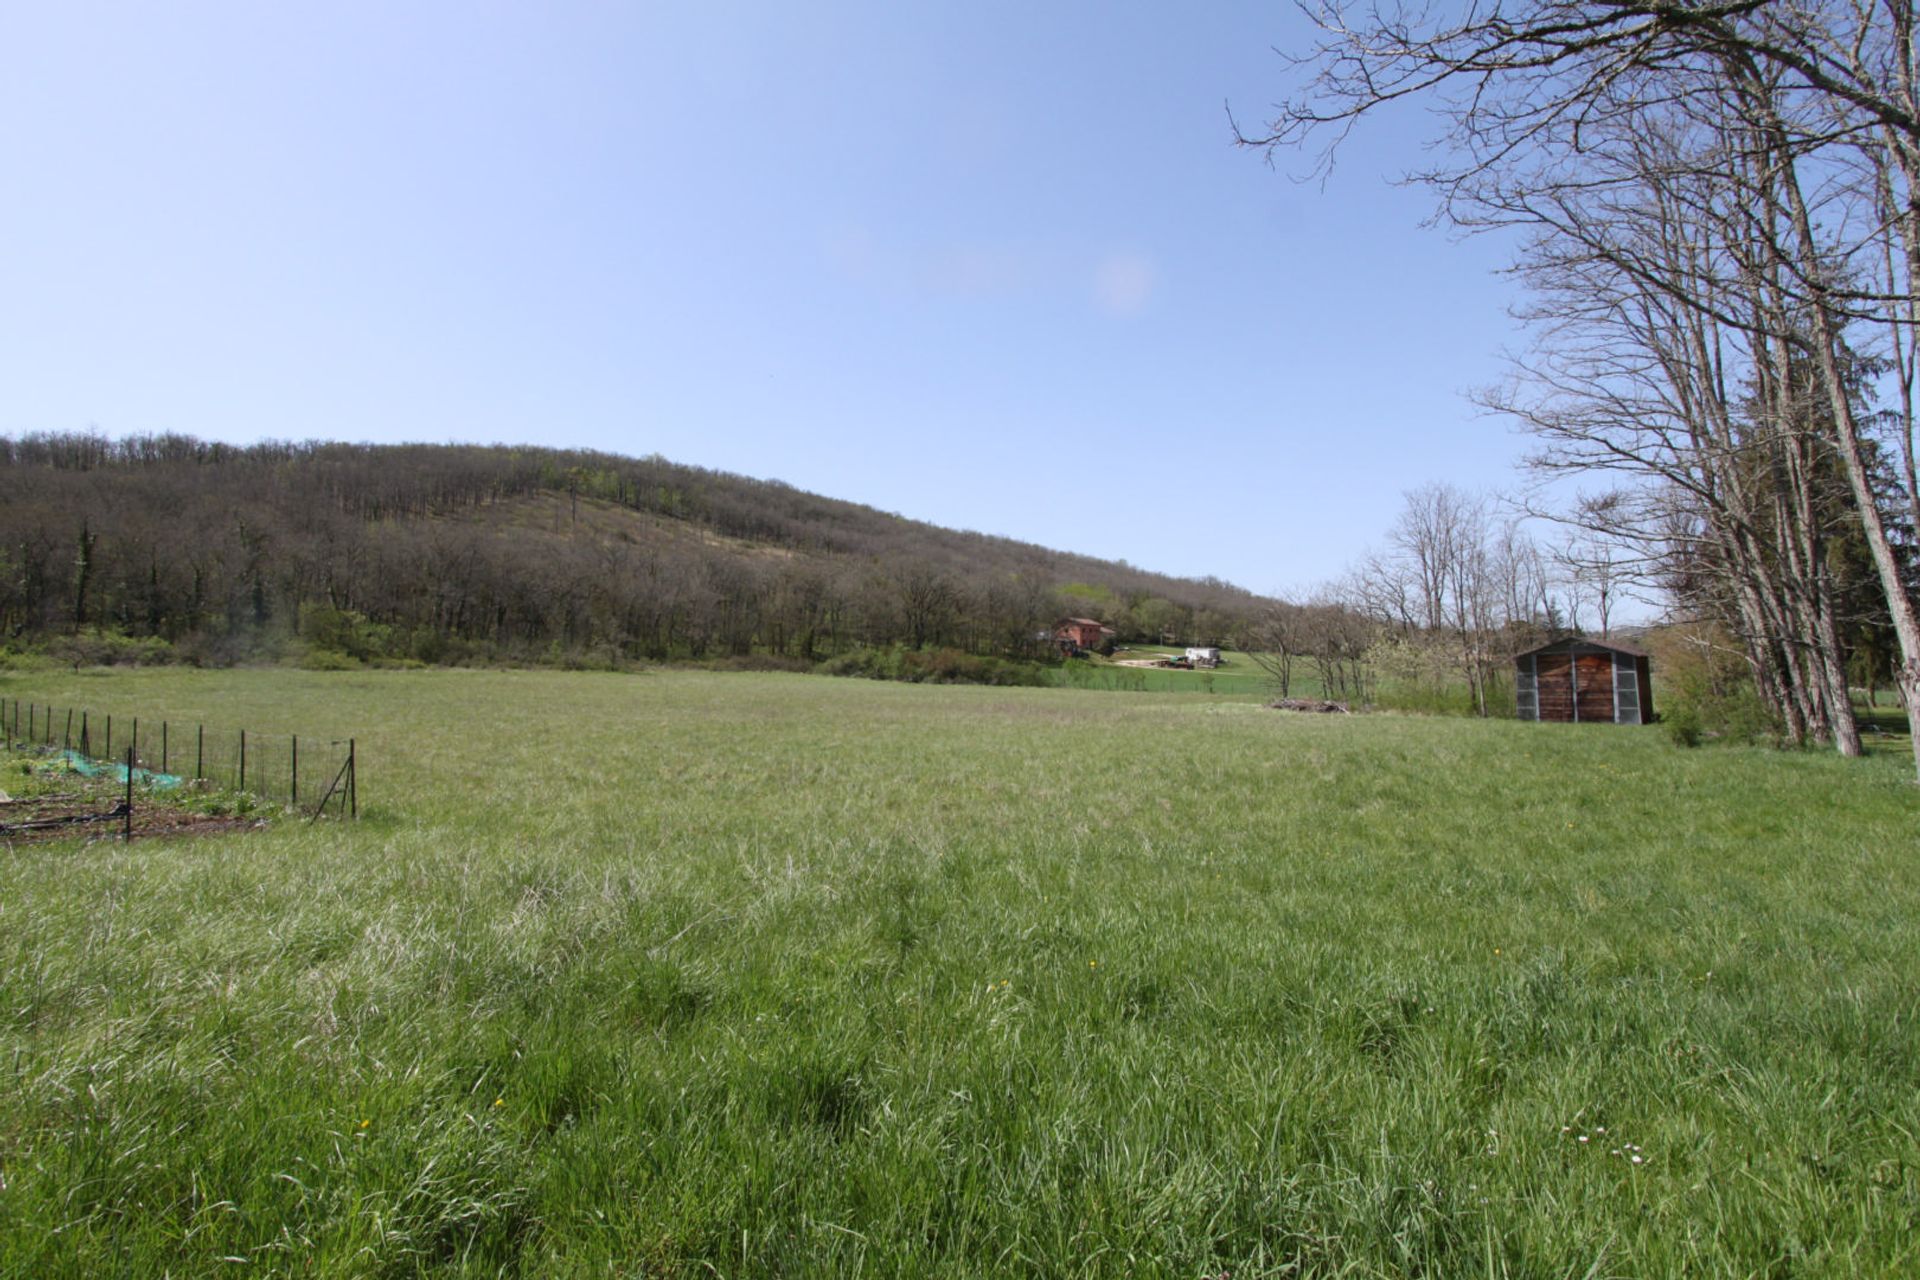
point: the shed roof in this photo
(1080, 622)
(1567, 644)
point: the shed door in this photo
(1526, 691)
(1595, 673)
(1553, 683)
(1626, 690)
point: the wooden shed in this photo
(1582, 680)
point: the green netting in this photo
(150, 778)
(306, 773)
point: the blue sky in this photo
(993, 265)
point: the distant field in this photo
(691, 974)
(1239, 675)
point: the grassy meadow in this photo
(681, 974)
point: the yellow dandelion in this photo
(365, 1123)
(499, 1102)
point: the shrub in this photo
(230, 648)
(343, 631)
(951, 666)
(23, 659)
(1683, 725)
(427, 645)
(328, 660)
(872, 664)
(110, 649)
(760, 662)
(1698, 708)
(934, 666)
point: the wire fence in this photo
(310, 774)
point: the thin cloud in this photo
(1123, 283)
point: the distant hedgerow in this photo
(935, 666)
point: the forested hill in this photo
(455, 553)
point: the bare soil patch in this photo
(36, 819)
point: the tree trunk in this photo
(1826, 346)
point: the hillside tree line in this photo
(467, 553)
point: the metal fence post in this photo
(353, 780)
(127, 831)
(243, 760)
(293, 773)
(163, 746)
(199, 753)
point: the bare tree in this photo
(1440, 540)
(1562, 113)
(1453, 595)
(1276, 639)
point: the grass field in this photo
(695, 974)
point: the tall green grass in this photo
(687, 974)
